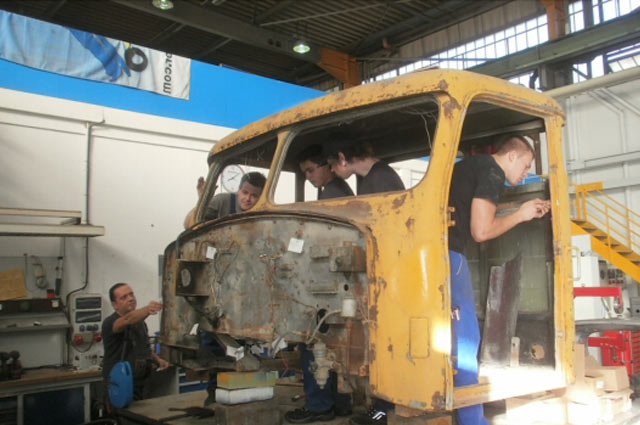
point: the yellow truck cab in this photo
(364, 280)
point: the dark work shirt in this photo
(381, 178)
(336, 188)
(478, 176)
(221, 205)
(137, 348)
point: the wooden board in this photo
(12, 285)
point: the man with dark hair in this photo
(321, 404)
(314, 165)
(125, 337)
(476, 187)
(223, 204)
(347, 157)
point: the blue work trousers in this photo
(466, 336)
(321, 399)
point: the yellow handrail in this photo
(592, 205)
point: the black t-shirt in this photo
(381, 178)
(137, 348)
(478, 176)
(336, 188)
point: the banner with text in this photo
(80, 54)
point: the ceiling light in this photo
(163, 4)
(301, 47)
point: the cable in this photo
(320, 322)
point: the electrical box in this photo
(85, 314)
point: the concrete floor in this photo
(158, 408)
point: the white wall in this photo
(143, 174)
(602, 139)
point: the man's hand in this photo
(162, 363)
(153, 307)
(200, 186)
(535, 208)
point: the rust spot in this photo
(382, 282)
(410, 223)
(373, 312)
(449, 106)
(442, 85)
(537, 352)
(437, 401)
(398, 202)
(372, 353)
(390, 348)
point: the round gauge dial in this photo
(231, 176)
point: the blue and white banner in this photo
(66, 51)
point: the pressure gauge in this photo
(231, 176)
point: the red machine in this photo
(619, 348)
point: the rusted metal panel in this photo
(501, 316)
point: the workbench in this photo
(50, 380)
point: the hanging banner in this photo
(80, 54)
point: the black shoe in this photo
(304, 416)
(342, 411)
(373, 417)
(211, 397)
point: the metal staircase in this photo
(614, 228)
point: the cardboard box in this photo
(528, 409)
(615, 377)
(601, 410)
(583, 414)
(587, 390)
(579, 361)
(615, 403)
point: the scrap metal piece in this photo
(501, 316)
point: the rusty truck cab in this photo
(364, 280)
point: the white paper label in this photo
(211, 252)
(296, 245)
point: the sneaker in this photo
(372, 417)
(304, 416)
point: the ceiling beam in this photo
(216, 23)
(594, 40)
(413, 28)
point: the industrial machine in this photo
(85, 344)
(363, 281)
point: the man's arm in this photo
(136, 316)
(486, 226)
(162, 363)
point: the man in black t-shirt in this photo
(316, 169)
(125, 337)
(476, 186)
(347, 157)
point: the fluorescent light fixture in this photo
(163, 4)
(301, 47)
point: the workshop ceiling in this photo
(257, 36)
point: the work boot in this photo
(372, 417)
(304, 416)
(211, 396)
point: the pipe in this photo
(595, 83)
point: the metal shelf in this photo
(70, 227)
